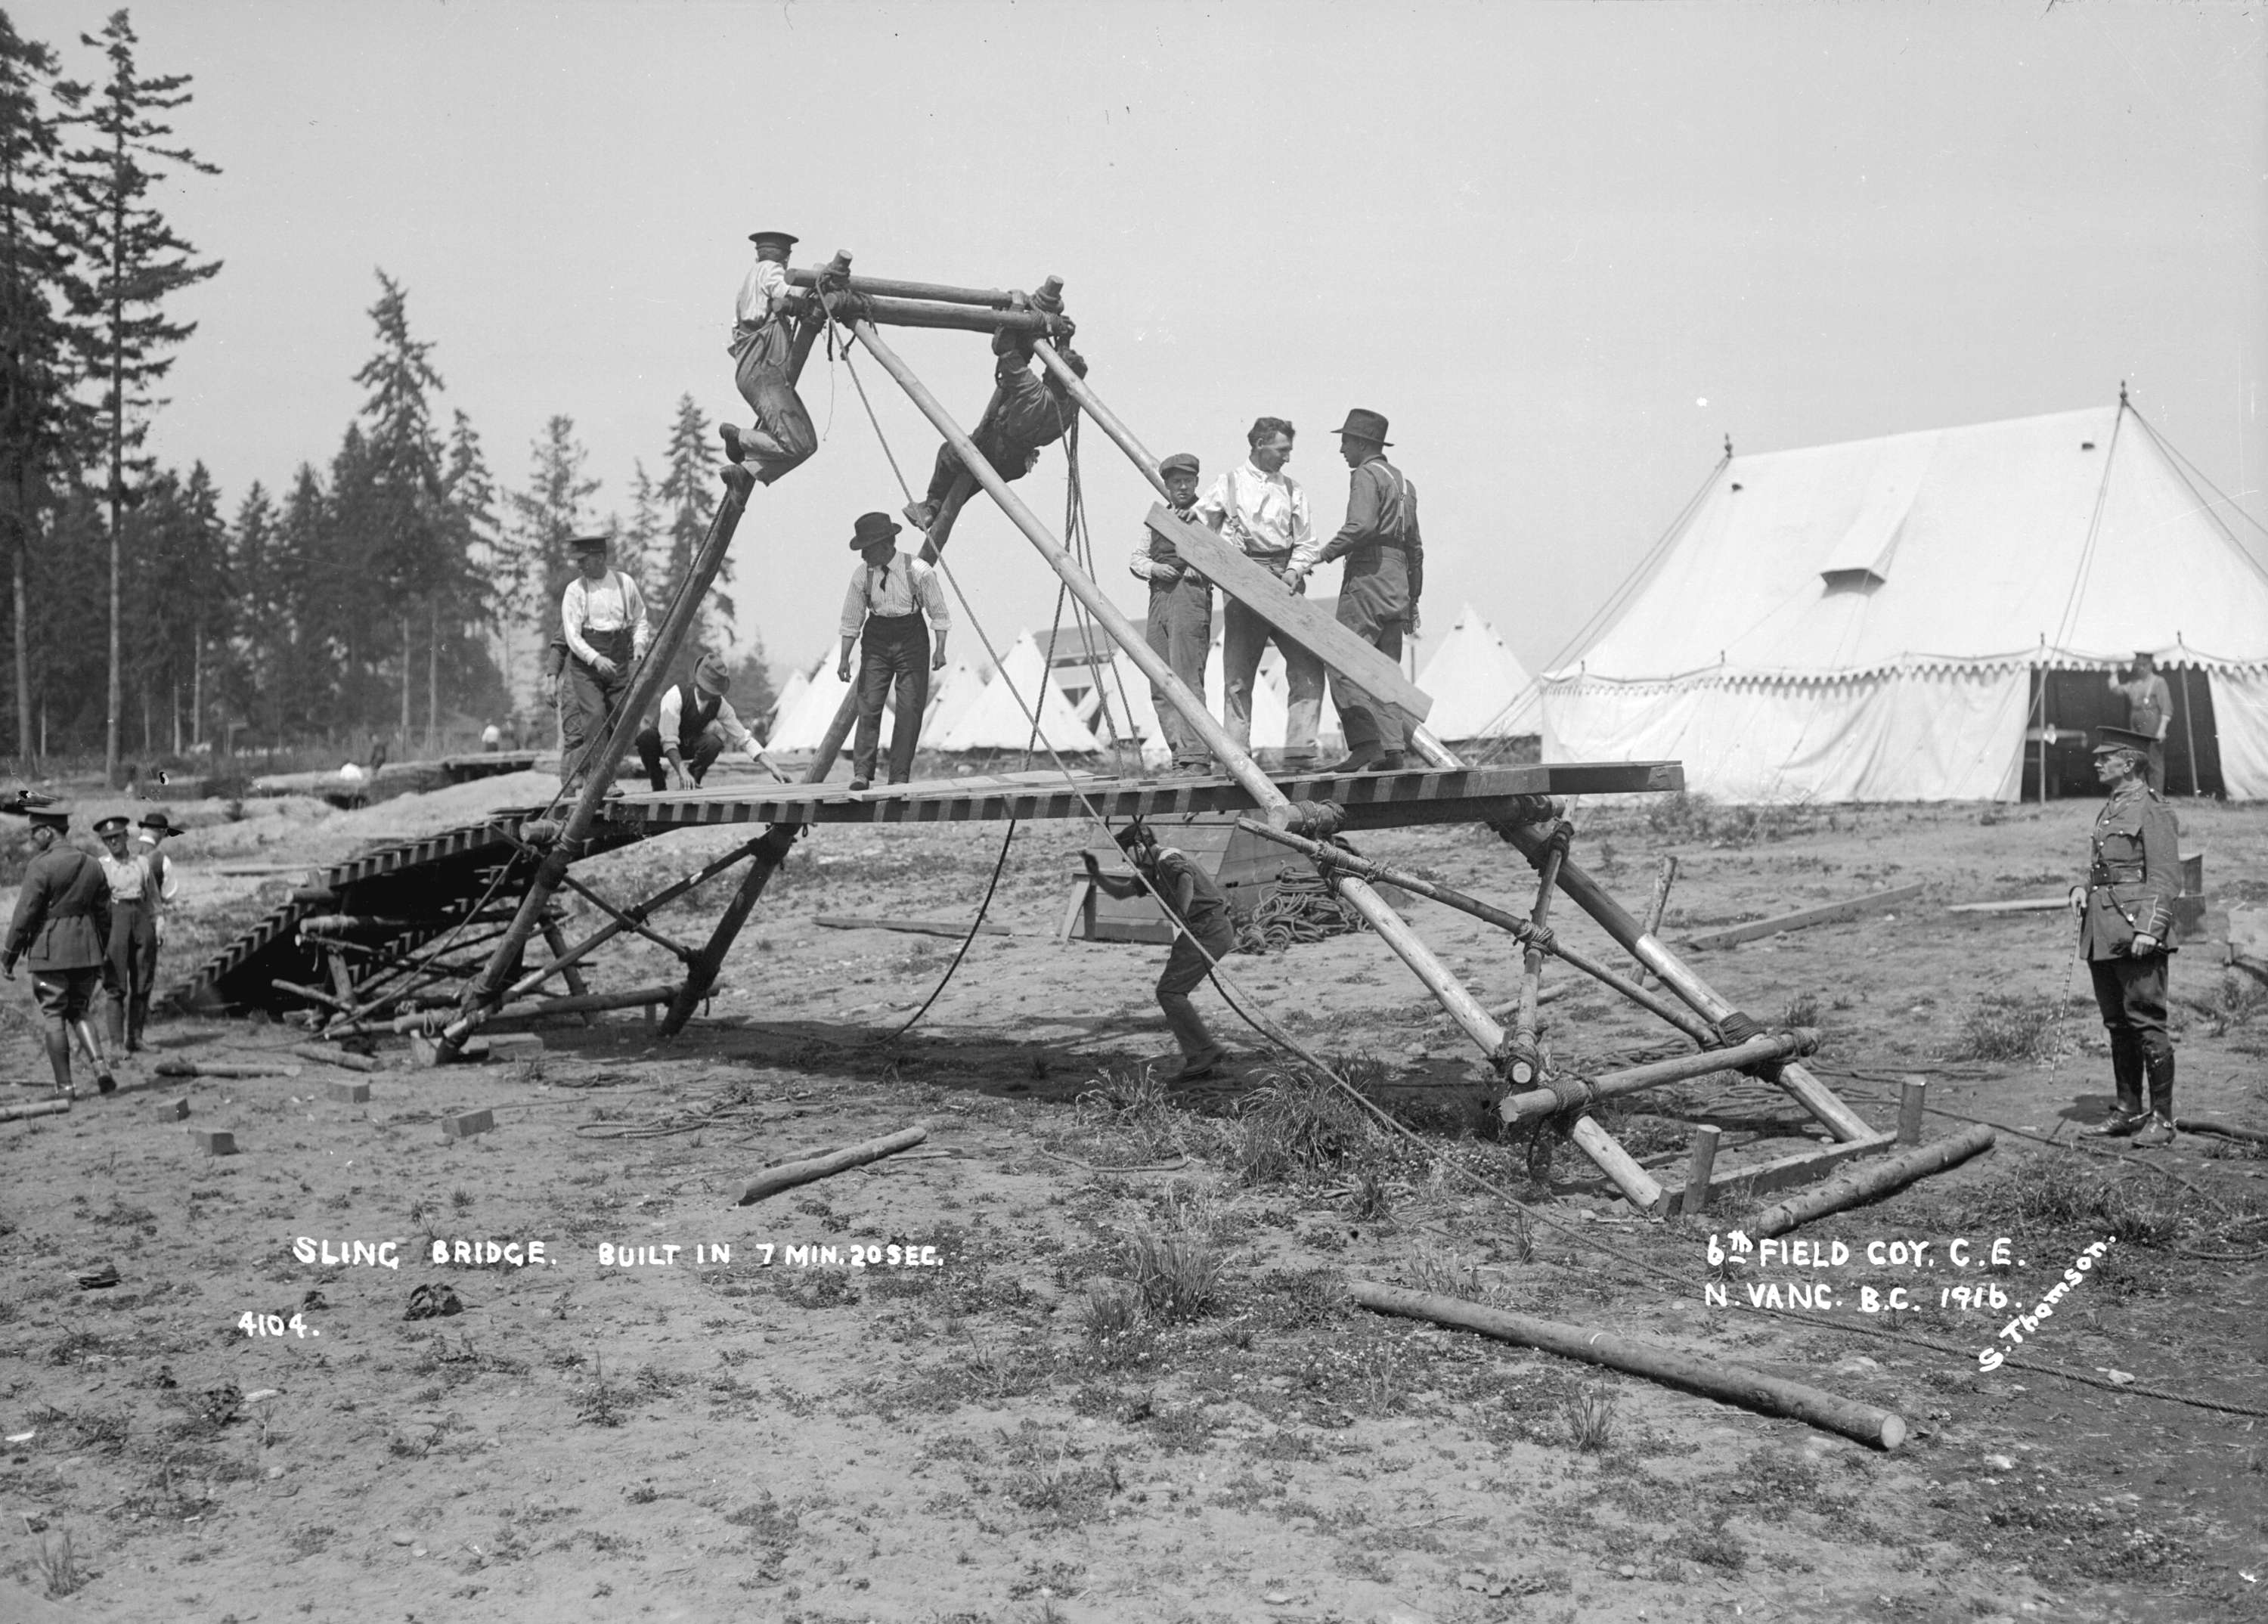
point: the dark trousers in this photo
(703, 756)
(784, 436)
(129, 969)
(2158, 765)
(2131, 994)
(1378, 620)
(1186, 968)
(1181, 634)
(1244, 638)
(893, 650)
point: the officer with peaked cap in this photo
(696, 725)
(763, 357)
(1180, 615)
(130, 958)
(60, 928)
(603, 619)
(2125, 934)
(1377, 594)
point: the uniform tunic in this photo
(61, 926)
(2131, 883)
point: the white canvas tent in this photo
(1480, 689)
(1881, 620)
(996, 720)
(951, 695)
(803, 725)
(784, 703)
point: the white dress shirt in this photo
(1264, 513)
(902, 586)
(605, 605)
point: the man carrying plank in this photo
(1378, 597)
(1262, 509)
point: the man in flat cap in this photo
(1205, 933)
(2149, 709)
(1029, 411)
(2125, 934)
(1260, 509)
(891, 609)
(1378, 594)
(1180, 615)
(129, 955)
(61, 928)
(696, 725)
(602, 621)
(764, 354)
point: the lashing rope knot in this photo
(1317, 820)
(1570, 1094)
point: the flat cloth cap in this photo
(1180, 463)
(588, 543)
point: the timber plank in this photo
(1801, 1169)
(1256, 587)
(1803, 919)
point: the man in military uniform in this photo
(1207, 935)
(2125, 932)
(61, 923)
(2149, 709)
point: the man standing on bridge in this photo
(883, 613)
(1180, 615)
(1377, 594)
(602, 621)
(1262, 509)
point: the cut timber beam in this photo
(1803, 919)
(1259, 590)
(1800, 1169)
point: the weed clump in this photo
(1299, 1124)
(2004, 1027)
(1590, 1418)
(1177, 1277)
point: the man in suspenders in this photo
(1180, 615)
(763, 358)
(602, 620)
(159, 892)
(883, 613)
(695, 726)
(130, 958)
(1377, 594)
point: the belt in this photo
(2117, 873)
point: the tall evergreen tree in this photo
(131, 261)
(553, 509)
(402, 518)
(688, 498)
(254, 678)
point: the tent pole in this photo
(2189, 729)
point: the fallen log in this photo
(788, 1174)
(433, 1019)
(37, 1108)
(226, 1068)
(345, 1059)
(1712, 1376)
(1804, 919)
(2020, 905)
(922, 928)
(1865, 1183)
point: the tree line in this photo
(388, 591)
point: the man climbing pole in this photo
(764, 350)
(1377, 594)
(1028, 412)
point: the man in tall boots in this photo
(1207, 935)
(763, 358)
(1378, 594)
(60, 929)
(602, 622)
(696, 725)
(2125, 934)
(1180, 615)
(130, 955)
(891, 609)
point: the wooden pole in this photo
(1804, 919)
(1701, 1161)
(541, 1009)
(934, 314)
(1637, 1184)
(1712, 1377)
(554, 941)
(487, 991)
(331, 1055)
(701, 969)
(1527, 1056)
(1384, 874)
(1665, 876)
(884, 287)
(1392, 929)
(788, 1174)
(1913, 1099)
(1882, 1177)
(1765, 1051)
(2189, 729)
(38, 1108)
(628, 921)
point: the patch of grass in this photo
(1715, 1545)
(1177, 1276)
(1299, 1124)
(1117, 1331)
(1590, 1418)
(1128, 1095)
(1041, 1478)
(2005, 1027)
(1449, 1274)
(59, 1566)
(1802, 1010)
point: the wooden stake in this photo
(1664, 876)
(787, 1175)
(1712, 1376)
(1850, 1189)
(1703, 1159)
(37, 1108)
(1913, 1099)
(225, 1068)
(701, 969)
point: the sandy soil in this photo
(1012, 1432)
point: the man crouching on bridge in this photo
(1205, 934)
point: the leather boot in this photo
(137, 1019)
(2162, 1081)
(104, 1080)
(58, 1041)
(114, 1023)
(1199, 1053)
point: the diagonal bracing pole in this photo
(1463, 1007)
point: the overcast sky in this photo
(1567, 248)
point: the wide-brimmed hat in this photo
(114, 824)
(1364, 425)
(1180, 463)
(872, 528)
(162, 822)
(784, 238)
(711, 676)
(2109, 738)
(588, 543)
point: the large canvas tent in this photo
(1480, 688)
(1928, 617)
(996, 719)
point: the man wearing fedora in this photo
(1204, 934)
(130, 955)
(1180, 615)
(162, 890)
(602, 622)
(1262, 509)
(2149, 709)
(763, 357)
(892, 607)
(696, 725)
(2125, 934)
(60, 930)
(1029, 412)
(1378, 594)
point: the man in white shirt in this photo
(602, 620)
(159, 888)
(763, 351)
(1263, 510)
(129, 955)
(892, 605)
(696, 725)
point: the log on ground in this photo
(788, 1174)
(1880, 1178)
(1803, 919)
(1712, 1377)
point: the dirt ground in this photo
(1121, 1378)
